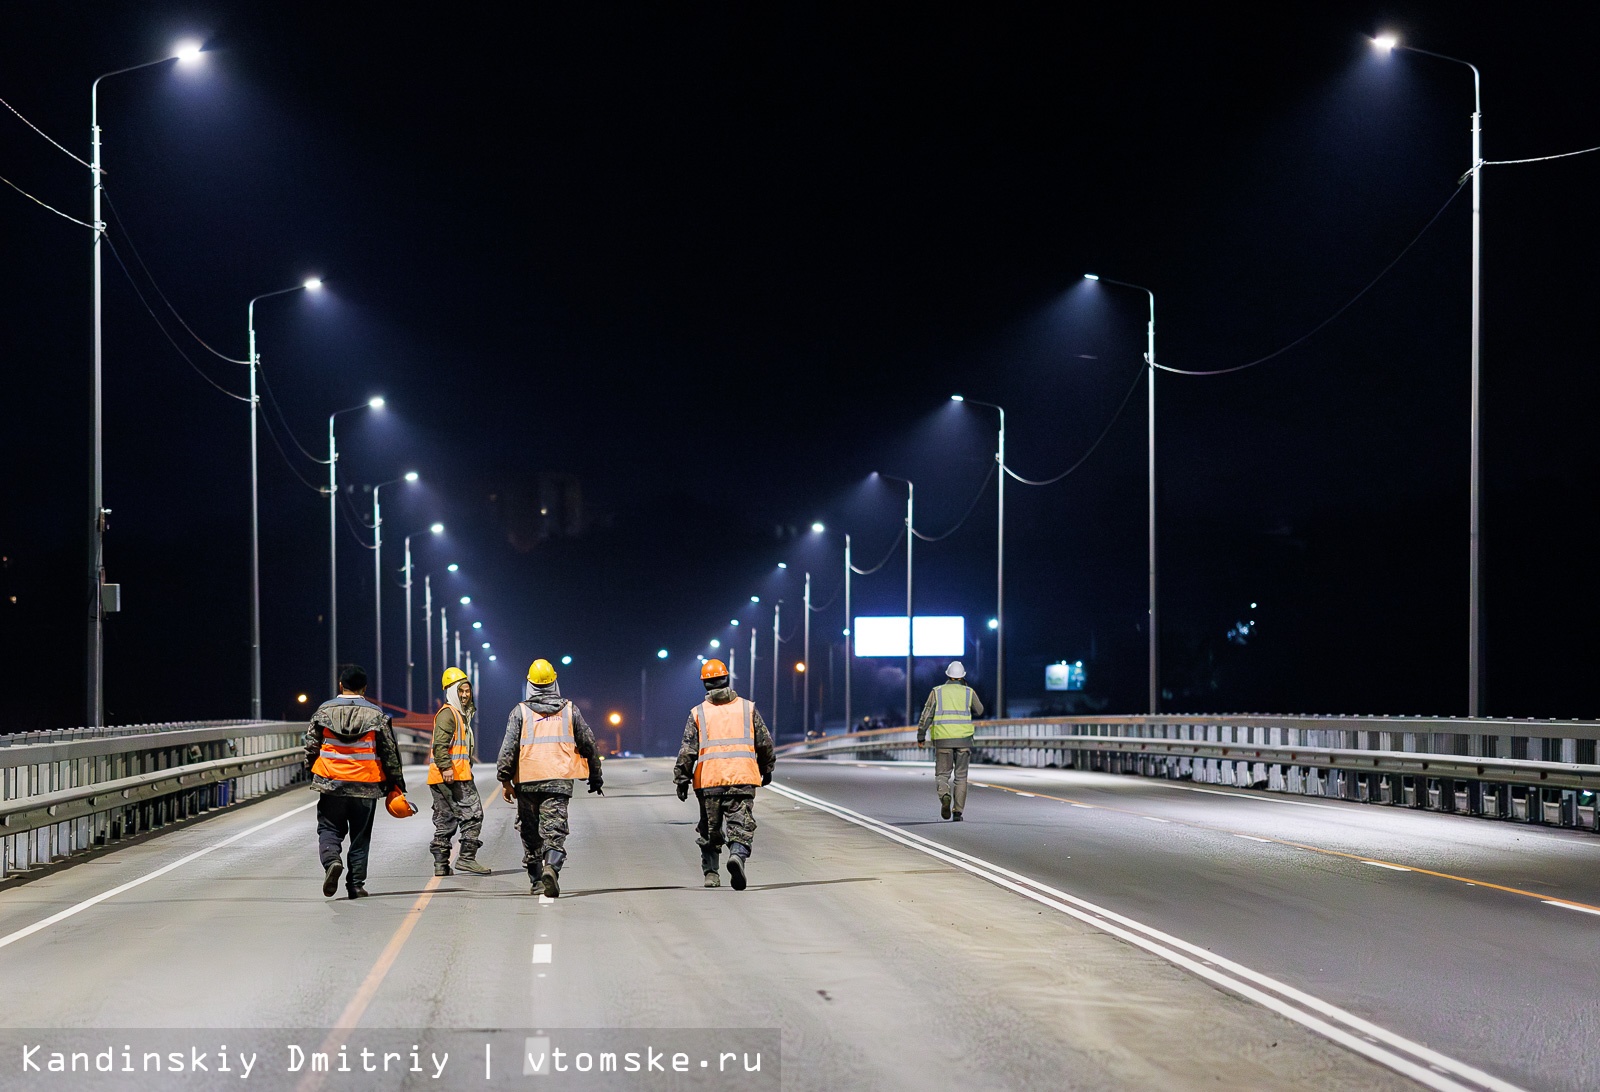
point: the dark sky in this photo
(716, 263)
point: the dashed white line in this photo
(1088, 807)
(541, 953)
(1390, 867)
(1019, 792)
(1153, 819)
(1252, 838)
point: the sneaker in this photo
(550, 882)
(955, 818)
(470, 864)
(330, 878)
(359, 891)
(441, 867)
(713, 880)
(736, 872)
(944, 807)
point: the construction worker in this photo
(949, 712)
(726, 753)
(354, 761)
(456, 803)
(547, 745)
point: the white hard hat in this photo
(955, 670)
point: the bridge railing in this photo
(1537, 771)
(69, 791)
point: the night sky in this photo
(685, 275)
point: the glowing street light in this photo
(566, 661)
(477, 625)
(375, 403)
(466, 600)
(187, 52)
(1385, 43)
(614, 719)
(817, 528)
(661, 654)
(715, 643)
(452, 568)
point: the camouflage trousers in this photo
(456, 805)
(542, 822)
(737, 813)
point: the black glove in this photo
(922, 737)
(766, 778)
(595, 783)
(683, 790)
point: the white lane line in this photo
(1252, 838)
(1086, 807)
(62, 915)
(1153, 819)
(1243, 796)
(1391, 867)
(545, 900)
(1569, 906)
(541, 953)
(1313, 1012)
(1019, 792)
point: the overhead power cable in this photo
(352, 521)
(1348, 303)
(164, 331)
(273, 399)
(44, 134)
(893, 549)
(976, 498)
(1138, 375)
(1539, 158)
(829, 603)
(42, 205)
(267, 421)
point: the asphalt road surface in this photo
(884, 965)
(1479, 939)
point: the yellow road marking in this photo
(1543, 897)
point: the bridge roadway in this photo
(888, 961)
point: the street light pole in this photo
(333, 541)
(444, 637)
(411, 662)
(805, 676)
(427, 632)
(1150, 442)
(1474, 558)
(777, 611)
(95, 673)
(377, 577)
(911, 625)
(849, 623)
(1000, 564)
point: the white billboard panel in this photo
(933, 635)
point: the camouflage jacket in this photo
(689, 751)
(544, 701)
(444, 730)
(347, 717)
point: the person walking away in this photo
(548, 744)
(456, 803)
(354, 761)
(726, 754)
(949, 712)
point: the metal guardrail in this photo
(1526, 770)
(69, 791)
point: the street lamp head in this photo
(452, 567)
(312, 284)
(615, 719)
(411, 475)
(186, 52)
(661, 654)
(376, 403)
(958, 398)
(486, 646)
(994, 623)
(817, 528)
(437, 528)
(466, 600)
(1385, 43)
(755, 599)
(493, 658)
(566, 661)
(800, 667)
(733, 621)
(477, 625)
(715, 643)
(783, 564)
(1091, 276)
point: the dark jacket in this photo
(544, 700)
(347, 717)
(444, 731)
(689, 751)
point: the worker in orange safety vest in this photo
(456, 803)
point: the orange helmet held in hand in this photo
(713, 669)
(399, 806)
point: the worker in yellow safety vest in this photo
(456, 803)
(949, 713)
(548, 745)
(354, 760)
(726, 755)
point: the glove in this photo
(595, 783)
(922, 737)
(766, 778)
(683, 790)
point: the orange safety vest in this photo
(349, 759)
(727, 744)
(549, 752)
(460, 756)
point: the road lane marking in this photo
(1305, 1009)
(1541, 896)
(78, 908)
(1021, 793)
(541, 952)
(1153, 819)
(1571, 906)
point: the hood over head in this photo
(544, 699)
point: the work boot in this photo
(956, 818)
(359, 891)
(736, 871)
(330, 878)
(944, 807)
(550, 882)
(468, 863)
(441, 867)
(713, 879)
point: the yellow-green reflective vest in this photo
(952, 716)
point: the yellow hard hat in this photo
(452, 675)
(540, 673)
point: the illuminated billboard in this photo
(933, 635)
(1064, 676)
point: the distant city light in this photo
(662, 654)
(453, 567)
(800, 667)
(615, 719)
(301, 698)
(566, 661)
(1252, 606)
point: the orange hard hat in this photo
(713, 669)
(399, 806)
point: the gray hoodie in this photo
(347, 717)
(543, 700)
